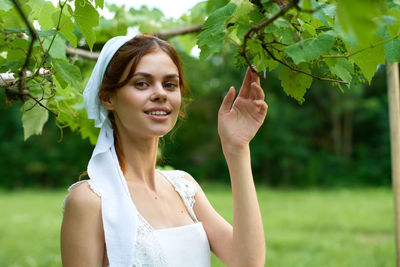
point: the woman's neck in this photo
(140, 156)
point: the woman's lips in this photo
(158, 114)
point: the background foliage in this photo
(338, 136)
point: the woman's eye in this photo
(140, 84)
(170, 85)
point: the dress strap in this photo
(185, 188)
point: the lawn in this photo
(341, 227)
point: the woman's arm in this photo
(82, 235)
(238, 121)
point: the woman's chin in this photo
(161, 132)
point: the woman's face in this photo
(148, 105)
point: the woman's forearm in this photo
(248, 234)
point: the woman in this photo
(130, 214)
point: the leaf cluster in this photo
(344, 39)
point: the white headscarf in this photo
(118, 211)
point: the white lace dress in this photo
(170, 247)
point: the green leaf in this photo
(33, 119)
(45, 16)
(282, 34)
(86, 18)
(46, 33)
(187, 41)
(295, 84)
(67, 28)
(219, 16)
(394, 29)
(311, 48)
(211, 39)
(243, 10)
(360, 17)
(6, 5)
(12, 65)
(309, 28)
(66, 73)
(12, 19)
(57, 50)
(341, 67)
(215, 4)
(306, 4)
(322, 13)
(263, 63)
(87, 129)
(99, 3)
(392, 51)
(369, 60)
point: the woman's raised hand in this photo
(239, 119)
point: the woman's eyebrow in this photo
(142, 74)
(171, 76)
(148, 75)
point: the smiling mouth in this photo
(158, 113)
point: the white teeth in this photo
(158, 112)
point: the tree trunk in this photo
(394, 115)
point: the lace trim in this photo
(148, 249)
(91, 184)
(142, 221)
(186, 189)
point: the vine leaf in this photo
(45, 16)
(322, 13)
(392, 51)
(33, 119)
(86, 18)
(341, 67)
(211, 39)
(311, 48)
(368, 60)
(66, 73)
(99, 3)
(57, 49)
(361, 20)
(295, 84)
(394, 29)
(5, 5)
(67, 28)
(306, 4)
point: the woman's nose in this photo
(159, 93)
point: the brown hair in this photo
(134, 50)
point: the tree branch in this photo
(40, 104)
(297, 70)
(180, 31)
(32, 32)
(162, 35)
(7, 79)
(250, 33)
(82, 53)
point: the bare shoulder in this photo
(82, 235)
(83, 201)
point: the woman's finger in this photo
(245, 89)
(256, 91)
(228, 100)
(255, 77)
(262, 106)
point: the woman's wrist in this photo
(234, 150)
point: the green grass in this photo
(338, 228)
